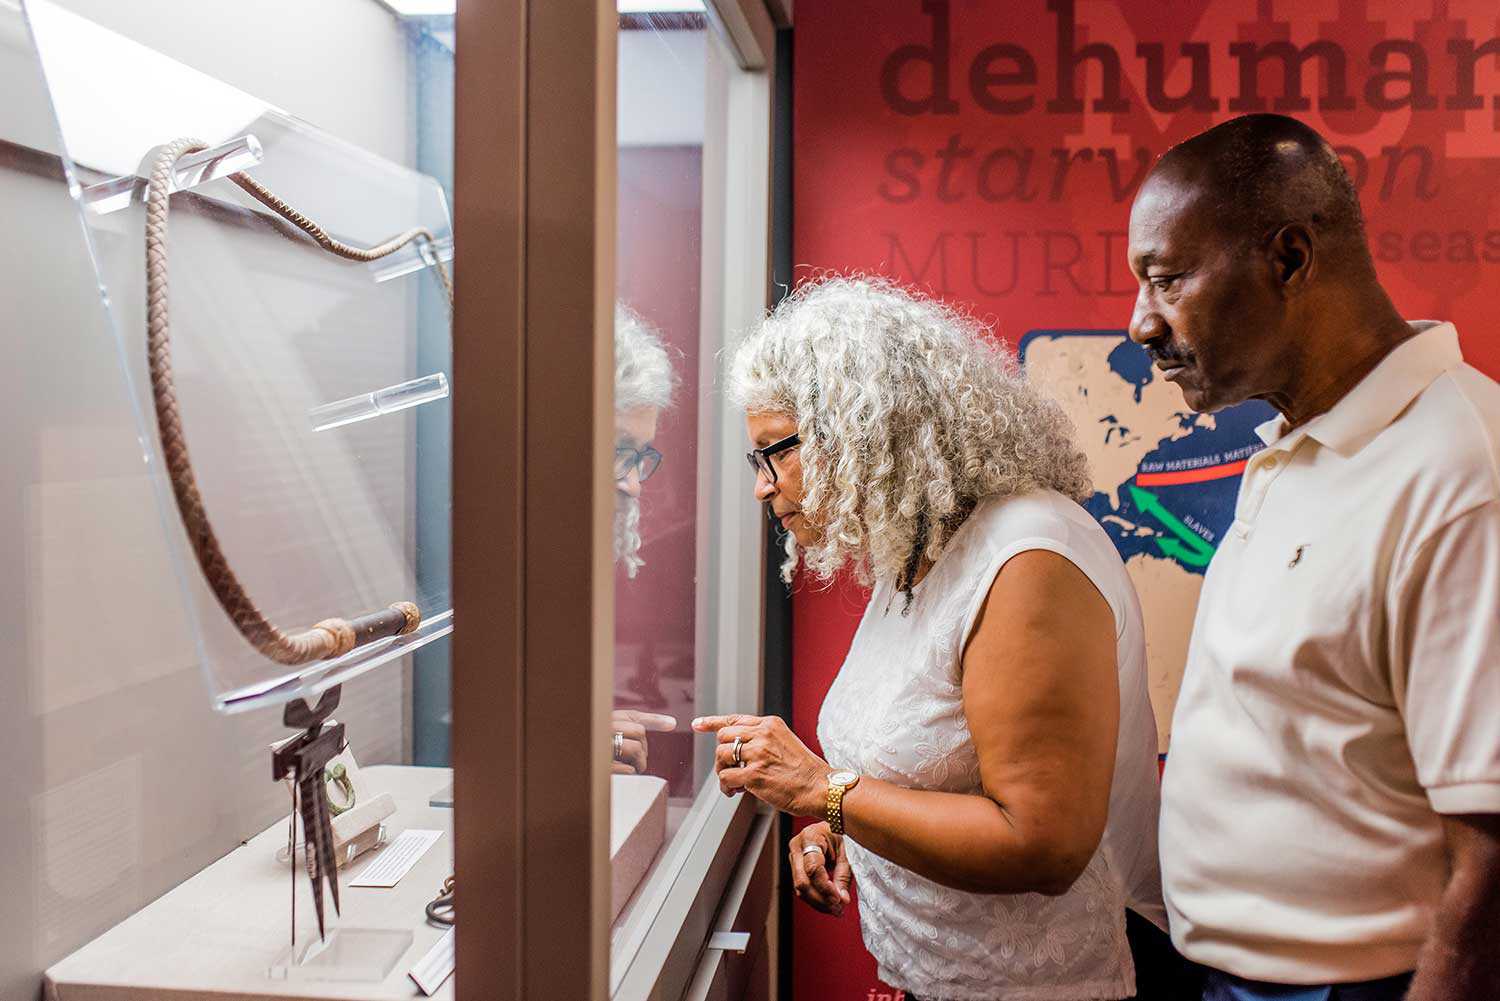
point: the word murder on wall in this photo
(1049, 262)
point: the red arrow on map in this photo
(1200, 475)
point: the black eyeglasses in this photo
(644, 460)
(760, 458)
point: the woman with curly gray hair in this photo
(644, 382)
(990, 779)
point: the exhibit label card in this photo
(396, 859)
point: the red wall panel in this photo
(989, 152)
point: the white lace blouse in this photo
(895, 712)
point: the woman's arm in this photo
(1041, 694)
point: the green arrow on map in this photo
(1192, 550)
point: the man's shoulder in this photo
(1460, 414)
(1451, 434)
(1479, 397)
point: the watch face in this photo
(842, 778)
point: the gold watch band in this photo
(835, 801)
(835, 809)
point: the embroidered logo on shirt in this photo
(1296, 557)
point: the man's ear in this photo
(1292, 257)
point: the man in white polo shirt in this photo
(1331, 805)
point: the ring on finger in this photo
(739, 762)
(809, 849)
(619, 744)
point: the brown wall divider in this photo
(534, 218)
(488, 722)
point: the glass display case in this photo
(690, 177)
(279, 377)
(229, 427)
(314, 544)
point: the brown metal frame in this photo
(534, 215)
(488, 347)
(748, 28)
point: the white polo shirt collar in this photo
(1380, 397)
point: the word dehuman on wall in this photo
(1100, 81)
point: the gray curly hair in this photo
(910, 413)
(643, 378)
(643, 369)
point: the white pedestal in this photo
(216, 936)
(637, 828)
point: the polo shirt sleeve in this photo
(1446, 661)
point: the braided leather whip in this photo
(331, 637)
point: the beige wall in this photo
(118, 780)
(340, 64)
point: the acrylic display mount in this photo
(312, 390)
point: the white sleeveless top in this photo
(895, 712)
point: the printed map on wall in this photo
(1165, 478)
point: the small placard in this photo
(396, 859)
(435, 967)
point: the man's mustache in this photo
(1168, 354)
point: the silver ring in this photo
(738, 761)
(619, 745)
(809, 849)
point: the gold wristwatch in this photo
(838, 784)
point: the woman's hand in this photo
(825, 891)
(774, 765)
(633, 725)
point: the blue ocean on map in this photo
(1181, 499)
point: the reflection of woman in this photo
(643, 389)
(996, 747)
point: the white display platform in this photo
(637, 828)
(214, 937)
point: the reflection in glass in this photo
(658, 525)
(643, 389)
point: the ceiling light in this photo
(439, 8)
(421, 8)
(659, 6)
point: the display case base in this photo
(349, 955)
(637, 828)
